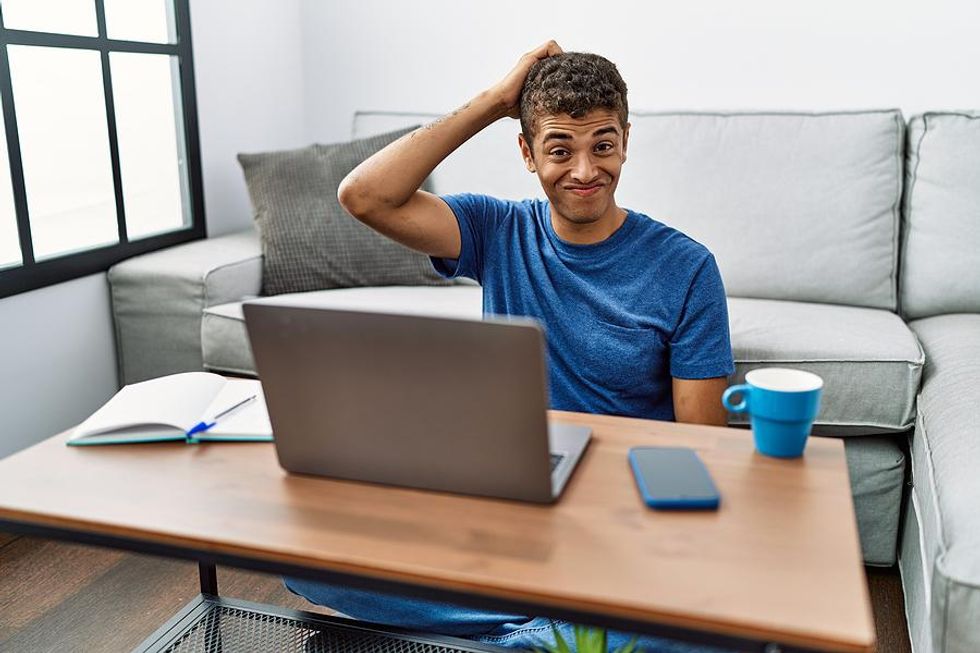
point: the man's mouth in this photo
(585, 191)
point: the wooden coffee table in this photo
(778, 567)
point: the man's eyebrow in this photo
(561, 136)
(605, 130)
(557, 136)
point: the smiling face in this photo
(578, 162)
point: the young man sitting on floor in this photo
(634, 311)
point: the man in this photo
(634, 312)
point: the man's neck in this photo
(588, 233)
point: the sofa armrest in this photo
(158, 300)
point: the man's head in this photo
(573, 83)
(574, 132)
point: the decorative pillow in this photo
(309, 241)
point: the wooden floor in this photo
(67, 597)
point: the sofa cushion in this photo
(946, 482)
(941, 249)
(868, 358)
(756, 188)
(309, 241)
(800, 207)
(158, 299)
(225, 341)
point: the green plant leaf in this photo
(561, 646)
(587, 640)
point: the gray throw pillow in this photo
(309, 241)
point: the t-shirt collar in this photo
(588, 249)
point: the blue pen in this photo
(201, 427)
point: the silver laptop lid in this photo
(436, 403)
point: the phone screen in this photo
(673, 477)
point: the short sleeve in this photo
(478, 217)
(700, 347)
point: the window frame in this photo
(32, 274)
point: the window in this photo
(100, 134)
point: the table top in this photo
(779, 560)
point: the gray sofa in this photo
(850, 246)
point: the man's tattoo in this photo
(442, 119)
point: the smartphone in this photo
(673, 478)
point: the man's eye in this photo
(604, 147)
(559, 152)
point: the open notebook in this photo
(176, 407)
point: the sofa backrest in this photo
(940, 269)
(794, 206)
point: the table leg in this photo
(209, 587)
(209, 578)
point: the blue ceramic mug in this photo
(782, 404)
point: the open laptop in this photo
(429, 402)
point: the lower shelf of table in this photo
(210, 624)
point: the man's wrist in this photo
(492, 105)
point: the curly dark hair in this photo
(574, 83)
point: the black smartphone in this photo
(673, 478)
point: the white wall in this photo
(57, 359)
(248, 69)
(57, 355)
(710, 54)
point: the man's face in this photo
(578, 161)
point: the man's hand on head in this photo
(384, 191)
(508, 90)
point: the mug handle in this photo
(743, 405)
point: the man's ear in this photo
(526, 153)
(626, 136)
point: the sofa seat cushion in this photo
(868, 358)
(946, 478)
(225, 342)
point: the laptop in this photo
(437, 403)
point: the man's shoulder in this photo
(478, 201)
(671, 241)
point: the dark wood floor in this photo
(67, 597)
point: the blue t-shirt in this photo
(621, 317)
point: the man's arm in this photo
(698, 401)
(383, 191)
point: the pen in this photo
(200, 427)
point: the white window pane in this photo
(140, 20)
(9, 241)
(151, 156)
(64, 143)
(60, 16)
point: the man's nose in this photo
(584, 169)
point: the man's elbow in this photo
(354, 199)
